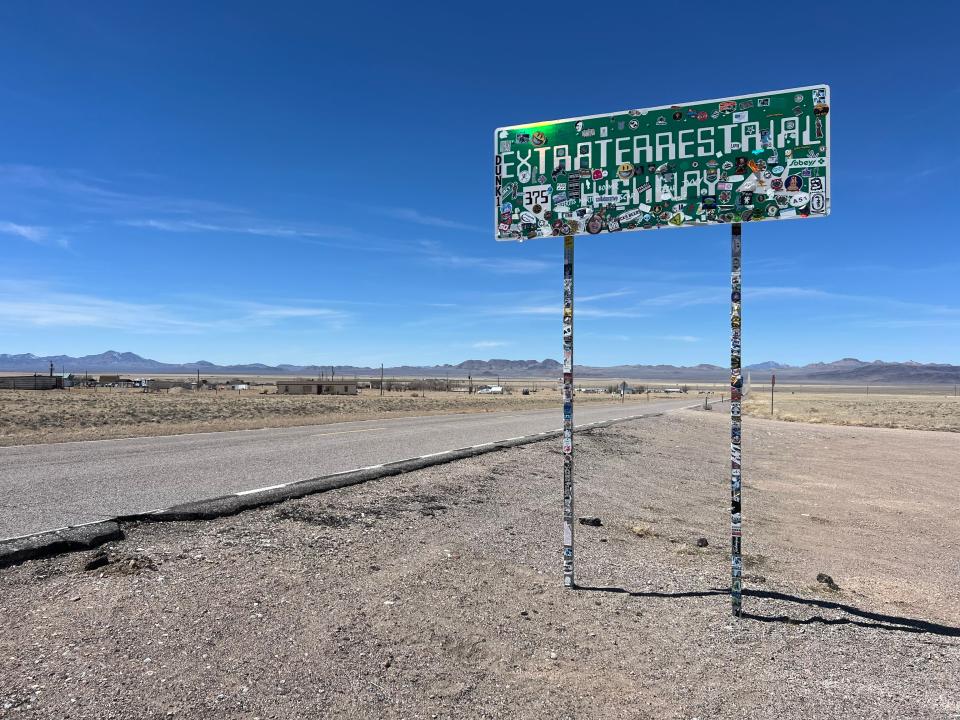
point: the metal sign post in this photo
(568, 577)
(736, 386)
(773, 384)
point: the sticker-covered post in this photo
(568, 577)
(736, 387)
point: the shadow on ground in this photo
(863, 618)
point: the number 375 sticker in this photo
(536, 199)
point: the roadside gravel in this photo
(437, 594)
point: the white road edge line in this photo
(262, 489)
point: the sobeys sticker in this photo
(817, 162)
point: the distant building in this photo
(317, 387)
(31, 382)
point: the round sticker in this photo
(776, 184)
(594, 224)
(539, 138)
(523, 176)
(625, 171)
(634, 124)
(794, 183)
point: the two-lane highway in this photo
(50, 486)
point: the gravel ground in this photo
(437, 594)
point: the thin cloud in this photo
(755, 293)
(682, 338)
(687, 298)
(605, 296)
(558, 310)
(501, 265)
(265, 230)
(96, 195)
(489, 344)
(34, 233)
(415, 216)
(37, 305)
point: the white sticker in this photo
(630, 215)
(816, 184)
(537, 195)
(739, 117)
(735, 178)
(808, 162)
(799, 200)
(818, 202)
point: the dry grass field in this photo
(908, 411)
(28, 417)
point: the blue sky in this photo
(312, 182)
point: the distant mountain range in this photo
(845, 371)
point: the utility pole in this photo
(773, 381)
(381, 379)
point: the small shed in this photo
(317, 387)
(31, 382)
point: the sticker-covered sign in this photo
(764, 156)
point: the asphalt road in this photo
(43, 487)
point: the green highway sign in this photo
(753, 157)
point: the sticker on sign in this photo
(807, 162)
(671, 156)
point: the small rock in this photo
(591, 521)
(702, 542)
(553, 655)
(97, 561)
(827, 580)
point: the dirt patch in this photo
(911, 412)
(376, 602)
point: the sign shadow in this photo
(862, 618)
